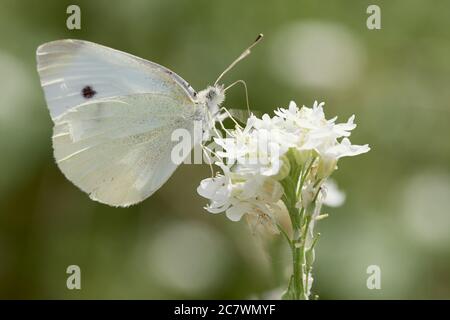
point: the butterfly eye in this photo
(211, 94)
(88, 92)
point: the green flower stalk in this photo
(303, 205)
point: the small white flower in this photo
(343, 149)
(218, 191)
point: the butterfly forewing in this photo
(75, 71)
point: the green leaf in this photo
(289, 294)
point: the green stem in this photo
(300, 220)
(299, 262)
(297, 245)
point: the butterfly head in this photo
(212, 97)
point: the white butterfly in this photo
(114, 114)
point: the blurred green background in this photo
(396, 80)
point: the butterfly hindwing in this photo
(119, 150)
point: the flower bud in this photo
(285, 168)
(310, 256)
(326, 167)
(301, 156)
(307, 195)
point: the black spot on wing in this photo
(88, 92)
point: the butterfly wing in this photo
(76, 71)
(118, 150)
(114, 114)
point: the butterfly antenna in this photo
(231, 117)
(242, 56)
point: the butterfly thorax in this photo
(212, 97)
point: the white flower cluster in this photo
(256, 159)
